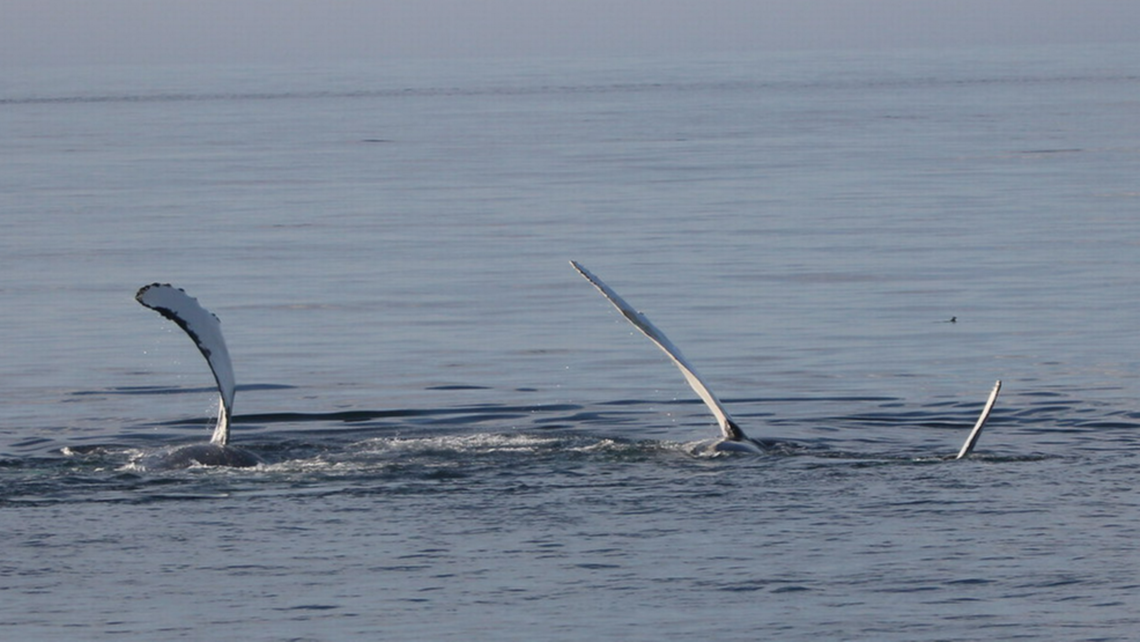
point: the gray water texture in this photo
(463, 441)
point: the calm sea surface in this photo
(464, 441)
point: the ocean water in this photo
(464, 441)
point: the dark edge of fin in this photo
(972, 440)
(730, 430)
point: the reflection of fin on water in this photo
(972, 440)
(732, 437)
(206, 331)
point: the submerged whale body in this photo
(205, 330)
(201, 455)
(732, 436)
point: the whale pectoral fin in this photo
(972, 439)
(221, 434)
(205, 330)
(729, 429)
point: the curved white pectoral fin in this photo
(205, 330)
(972, 440)
(728, 427)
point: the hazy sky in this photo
(34, 32)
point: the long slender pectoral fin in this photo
(972, 440)
(730, 430)
(205, 330)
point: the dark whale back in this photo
(205, 455)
